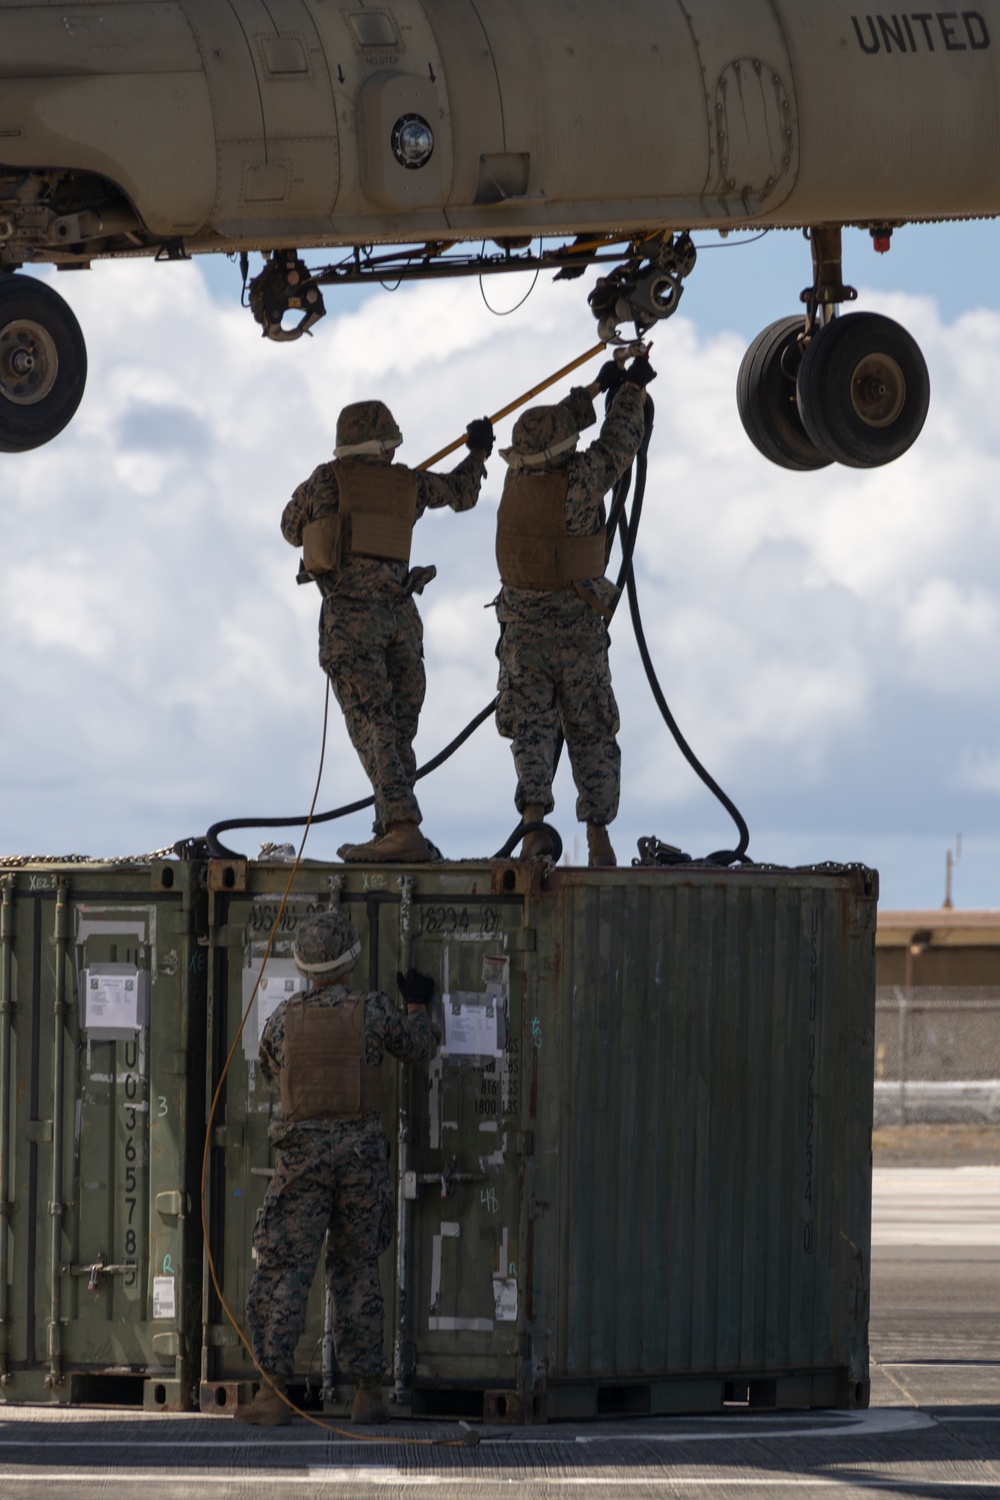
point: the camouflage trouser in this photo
(554, 675)
(372, 650)
(335, 1179)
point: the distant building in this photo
(943, 947)
(937, 1019)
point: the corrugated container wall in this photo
(102, 990)
(638, 1175)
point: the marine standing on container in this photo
(555, 604)
(324, 1049)
(354, 519)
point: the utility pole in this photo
(950, 861)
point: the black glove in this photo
(415, 988)
(640, 372)
(610, 376)
(479, 436)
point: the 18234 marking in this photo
(482, 921)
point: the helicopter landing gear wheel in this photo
(863, 390)
(765, 394)
(43, 363)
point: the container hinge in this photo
(525, 1140)
(217, 1337)
(38, 1130)
(171, 1204)
(227, 1135)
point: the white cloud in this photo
(826, 640)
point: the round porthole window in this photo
(412, 142)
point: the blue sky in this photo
(828, 641)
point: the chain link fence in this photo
(937, 1055)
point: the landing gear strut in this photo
(43, 363)
(826, 389)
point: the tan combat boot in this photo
(368, 1405)
(537, 845)
(402, 843)
(267, 1409)
(602, 856)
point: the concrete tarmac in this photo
(932, 1433)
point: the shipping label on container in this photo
(279, 982)
(272, 993)
(470, 1026)
(164, 1297)
(505, 1298)
(114, 999)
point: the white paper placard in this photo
(280, 981)
(274, 989)
(164, 1297)
(112, 1002)
(505, 1298)
(470, 1029)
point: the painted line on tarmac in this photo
(879, 1422)
(380, 1477)
(939, 1364)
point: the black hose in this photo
(506, 850)
(219, 851)
(628, 530)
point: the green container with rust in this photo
(637, 1178)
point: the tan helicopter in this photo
(453, 137)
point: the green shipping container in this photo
(637, 1178)
(102, 1001)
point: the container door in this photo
(452, 1278)
(240, 1163)
(464, 1305)
(102, 973)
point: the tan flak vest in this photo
(378, 506)
(324, 1075)
(533, 550)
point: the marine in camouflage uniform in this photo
(331, 1175)
(554, 671)
(370, 633)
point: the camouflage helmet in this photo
(366, 427)
(541, 435)
(326, 945)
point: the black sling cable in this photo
(627, 522)
(219, 851)
(628, 531)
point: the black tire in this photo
(43, 363)
(863, 390)
(766, 397)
